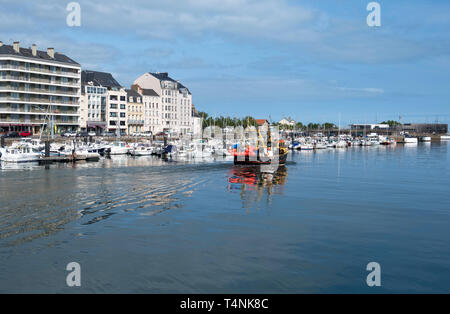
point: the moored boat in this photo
(19, 154)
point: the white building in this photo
(104, 103)
(152, 109)
(197, 124)
(369, 127)
(93, 105)
(287, 121)
(36, 87)
(174, 108)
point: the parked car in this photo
(108, 134)
(82, 134)
(69, 134)
(12, 134)
(92, 133)
(25, 134)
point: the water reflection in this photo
(40, 203)
(255, 182)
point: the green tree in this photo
(391, 123)
(328, 126)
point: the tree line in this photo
(246, 121)
(222, 122)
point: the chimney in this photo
(51, 52)
(33, 50)
(16, 47)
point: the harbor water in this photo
(144, 225)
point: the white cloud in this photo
(366, 90)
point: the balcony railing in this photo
(39, 70)
(39, 111)
(38, 80)
(141, 122)
(37, 90)
(38, 100)
(38, 121)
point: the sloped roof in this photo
(40, 55)
(134, 94)
(261, 121)
(164, 76)
(149, 92)
(99, 79)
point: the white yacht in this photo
(306, 146)
(141, 150)
(119, 148)
(341, 144)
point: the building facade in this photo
(152, 108)
(174, 106)
(104, 103)
(38, 89)
(135, 112)
(197, 124)
(287, 121)
(425, 128)
(93, 107)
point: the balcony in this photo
(38, 80)
(25, 110)
(136, 122)
(38, 100)
(37, 90)
(10, 67)
(37, 121)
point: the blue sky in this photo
(311, 60)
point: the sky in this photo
(313, 61)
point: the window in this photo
(122, 98)
(123, 106)
(122, 114)
(113, 97)
(113, 114)
(113, 106)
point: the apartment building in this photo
(174, 109)
(92, 106)
(38, 89)
(135, 112)
(152, 108)
(104, 104)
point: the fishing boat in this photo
(258, 156)
(19, 154)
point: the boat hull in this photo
(251, 161)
